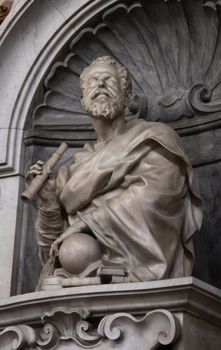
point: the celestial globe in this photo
(78, 251)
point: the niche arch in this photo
(176, 77)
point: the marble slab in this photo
(9, 188)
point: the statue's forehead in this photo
(102, 69)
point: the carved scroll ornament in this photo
(175, 104)
(70, 328)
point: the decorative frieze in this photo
(185, 313)
(71, 328)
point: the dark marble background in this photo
(164, 45)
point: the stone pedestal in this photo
(177, 314)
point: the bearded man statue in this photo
(128, 200)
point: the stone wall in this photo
(169, 48)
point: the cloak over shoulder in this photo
(137, 196)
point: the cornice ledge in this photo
(176, 295)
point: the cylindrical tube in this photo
(80, 281)
(39, 180)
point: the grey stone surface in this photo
(5, 7)
(20, 97)
(135, 298)
(18, 35)
(8, 213)
(186, 310)
(199, 334)
(174, 69)
(70, 329)
(26, 49)
(194, 304)
(103, 192)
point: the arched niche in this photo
(31, 37)
(172, 52)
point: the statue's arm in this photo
(50, 223)
(49, 226)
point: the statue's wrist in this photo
(49, 206)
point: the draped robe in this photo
(136, 194)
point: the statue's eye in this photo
(111, 81)
(92, 82)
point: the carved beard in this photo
(104, 107)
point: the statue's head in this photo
(106, 88)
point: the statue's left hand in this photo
(78, 227)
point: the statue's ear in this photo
(82, 100)
(128, 92)
(128, 99)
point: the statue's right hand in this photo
(34, 170)
(47, 194)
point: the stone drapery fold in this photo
(136, 194)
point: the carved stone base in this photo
(66, 328)
(181, 313)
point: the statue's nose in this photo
(101, 83)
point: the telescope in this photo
(39, 180)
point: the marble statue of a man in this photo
(132, 190)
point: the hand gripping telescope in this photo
(39, 180)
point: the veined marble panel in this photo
(9, 188)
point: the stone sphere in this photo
(78, 251)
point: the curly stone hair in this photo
(124, 75)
